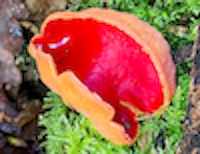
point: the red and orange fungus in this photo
(108, 61)
(121, 65)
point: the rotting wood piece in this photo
(190, 142)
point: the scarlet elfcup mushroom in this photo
(108, 65)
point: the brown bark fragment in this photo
(190, 143)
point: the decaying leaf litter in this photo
(21, 90)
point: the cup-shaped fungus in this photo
(108, 65)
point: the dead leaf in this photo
(11, 39)
(29, 25)
(3, 117)
(6, 107)
(144, 141)
(29, 113)
(178, 30)
(17, 142)
(40, 9)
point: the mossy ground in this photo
(71, 133)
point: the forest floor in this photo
(25, 103)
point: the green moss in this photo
(71, 133)
(75, 135)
